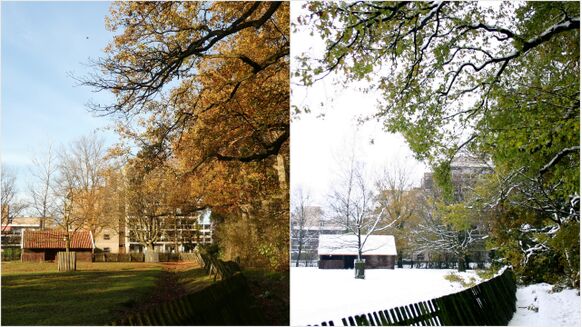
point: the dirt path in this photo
(168, 287)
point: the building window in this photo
(106, 237)
(106, 250)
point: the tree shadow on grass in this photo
(78, 298)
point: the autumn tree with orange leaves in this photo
(205, 86)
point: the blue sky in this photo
(42, 42)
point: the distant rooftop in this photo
(26, 221)
(466, 161)
(55, 239)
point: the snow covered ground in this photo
(322, 295)
(554, 309)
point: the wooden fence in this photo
(442, 264)
(489, 303)
(67, 261)
(214, 266)
(226, 302)
(140, 257)
(118, 257)
(188, 256)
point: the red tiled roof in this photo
(52, 239)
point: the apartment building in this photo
(179, 233)
(11, 236)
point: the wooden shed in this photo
(340, 251)
(43, 245)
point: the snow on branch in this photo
(564, 25)
(557, 157)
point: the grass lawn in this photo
(194, 279)
(36, 294)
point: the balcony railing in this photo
(8, 239)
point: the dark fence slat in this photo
(403, 317)
(370, 319)
(492, 302)
(377, 319)
(409, 314)
(384, 318)
(423, 319)
(395, 318)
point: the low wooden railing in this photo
(225, 302)
(489, 303)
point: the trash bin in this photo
(360, 267)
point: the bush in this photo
(486, 274)
(454, 278)
(11, 254)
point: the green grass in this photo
(194, 279)
(98, 293)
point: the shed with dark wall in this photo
(340, 251)
(38, 246)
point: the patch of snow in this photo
(319, 295)
(537, 306)
(525, 227)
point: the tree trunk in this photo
(359, 264)
(461, 263)
(151, 255)
(298, 254)
(68, 261)
(281, 172)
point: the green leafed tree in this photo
(498, 79)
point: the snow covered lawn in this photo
(554, 309)
(322, 295)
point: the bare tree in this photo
(399, 200)
(436, 236)
(42, 189)
(80, 188)
(393, 189)
(299, 206)
(354, 205)
(446, 228)
(147, 203)
(10, 204)
(84, 166)
(66, 217)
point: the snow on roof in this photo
(348, 245)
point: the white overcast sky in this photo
(317, 142)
